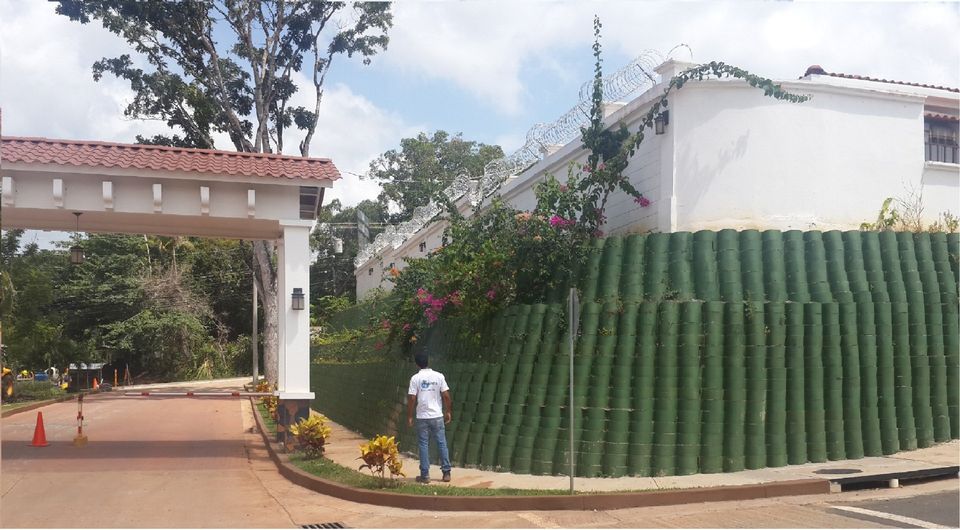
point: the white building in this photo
(731, 157)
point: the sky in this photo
(489, 70)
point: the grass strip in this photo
(330, 470)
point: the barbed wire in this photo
(636, 75)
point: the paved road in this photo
(934, 510)
(175, 463)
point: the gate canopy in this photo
(143, 189)
(125, 188)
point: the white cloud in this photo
(46, 85)
(484, 47)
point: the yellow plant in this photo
(312, 433)
(380, 455)
(270, 402)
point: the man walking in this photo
(427, 387)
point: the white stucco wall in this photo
(734, 158)
(743, 160)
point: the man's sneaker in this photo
(423, 480)
(446, 476)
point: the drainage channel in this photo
(886, 480)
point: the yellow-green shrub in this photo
(312, 433)
(381, 454)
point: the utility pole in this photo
(255, 339)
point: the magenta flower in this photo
(406, 327)
(385, 324)
(642, 201)
(556, 221)
(491, 294)
(601, 167)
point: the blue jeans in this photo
(427, 428)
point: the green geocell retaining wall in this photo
(705, 352)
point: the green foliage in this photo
(424, 166)
(172, 307)
(331, 274)
(906, 215)
(35, 391)
(201, 81)
(350, 345)
(481, 270)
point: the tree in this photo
(424, 166)
(332, 274)
(230, 66)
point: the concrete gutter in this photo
(589, 501)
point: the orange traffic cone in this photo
(96, 386)
(39, 436)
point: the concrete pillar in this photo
(293, 381)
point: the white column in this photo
(294, 326)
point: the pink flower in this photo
(601, 167)
(491, 294)
(642, 201)
(406, 327)
(378, 346)
(385, 324)
(556, 221)
(455, 298)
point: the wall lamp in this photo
(297, 299)
(661, 121)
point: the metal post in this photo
(572, 310)
(255, 339)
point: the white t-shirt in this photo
(427, 385)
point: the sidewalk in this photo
(344, 449)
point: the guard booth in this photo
(90, 186)
(82, 375)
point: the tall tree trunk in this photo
(266, 276)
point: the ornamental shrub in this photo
(382, 454)
(312, 433)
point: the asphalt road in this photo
(196, 463)
(923, 511)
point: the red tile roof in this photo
(940, 117)
(133, 156)
(818, 70)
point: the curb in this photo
(38, 404)
(590, 501)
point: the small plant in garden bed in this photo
(381, 454)
(312, 433)
(268, 422)
(270, 402)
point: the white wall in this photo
(743, 160)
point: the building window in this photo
(423, 246)
(444, 241)
(370, 271)
(940, 141)
(391, 265)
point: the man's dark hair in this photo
(421, 360)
